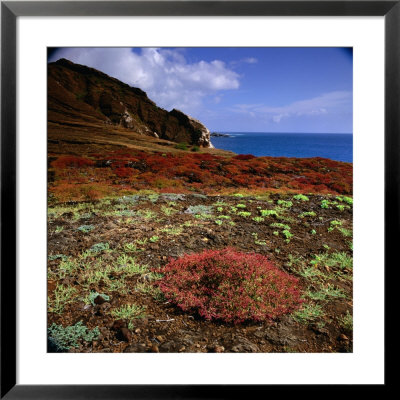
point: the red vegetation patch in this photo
(230, 286)
(244, 157)
(137, 170)
(72, 162)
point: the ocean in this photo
(337, 147)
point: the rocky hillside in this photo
(79, 96)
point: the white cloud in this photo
(250, 60)
(164, 74)
(328, 103)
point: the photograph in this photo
(199, 199)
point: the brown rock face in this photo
(79, 95)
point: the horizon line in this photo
(309, 133)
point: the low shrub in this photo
(85, 228)
(62, 339)
(284, 203)
(244, 157)
(301, 197)
(72, 162)
(230, 286)
(181, 146)
(199, 209)
(99, 247)
(267, 213)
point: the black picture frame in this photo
(10, 11)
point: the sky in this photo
(238, 89)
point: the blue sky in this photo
(238, 89)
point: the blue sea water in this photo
(337, 147)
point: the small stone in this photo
(242, 345)
(123, 332)
(105, 350)
(126, 334)
(136, 348)
(138, 330)
(99, 300)
(114, 301)
(259, 334)
(118, 324)
(168, 347)
(219, 349)
(154, 348)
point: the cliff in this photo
(83, 96)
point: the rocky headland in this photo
(83, 96)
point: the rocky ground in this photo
(103, 259)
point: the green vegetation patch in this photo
(280, 225)
(151, 290)
(345, 199)
(347, 321)
(326, 292)
(85, 228)
(129, 266)
(333, 225)
(147, 214)
(181, 146)
(57, 257)
(99, 247)
(308, 313)
(284, 203)
(172, 230)
(345, 232)
(67, 267)
(301, 197)
(129, 312)
(307, 214)
(339, 260)
(268, 213)
(168, 211)
(327, 203)
(65, 338)
(63, 295)
(199, 209)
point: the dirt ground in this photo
(112, 249)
